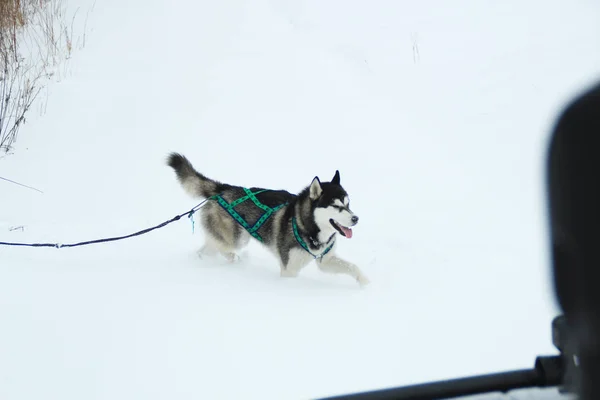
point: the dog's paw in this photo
(206, 252)
(362, 280)
(232, 257)
(285, 273)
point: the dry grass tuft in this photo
(35, 39)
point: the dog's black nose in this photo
(354, 219)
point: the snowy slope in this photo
(437, 117)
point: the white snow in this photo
(437, 115)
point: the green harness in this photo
(268, 211)
(230, 208)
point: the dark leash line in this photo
(20, 184)
(228, 207)
(190, 214)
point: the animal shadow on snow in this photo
(260, 267)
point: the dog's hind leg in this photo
(222, 235)
(213, 246)
(209, 249)
(229, 250)
(335, 265)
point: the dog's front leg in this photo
(335, 265)
(293, 263)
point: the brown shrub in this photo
(34, 40)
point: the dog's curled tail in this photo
(193, 182)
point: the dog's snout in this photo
(354, 219)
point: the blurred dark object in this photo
(561, 338)
(574, 203)
(548, 371)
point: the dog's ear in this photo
(315, 189)
(336, 178)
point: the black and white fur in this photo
(322, 212)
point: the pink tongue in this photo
(347, 231)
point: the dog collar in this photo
(303, 243)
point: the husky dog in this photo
(296, 228)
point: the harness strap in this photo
(268, 211)
(303, 243)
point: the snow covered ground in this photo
(437, 115)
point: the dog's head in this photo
(331, 206)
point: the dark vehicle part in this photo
(548, 371)
(574, 204)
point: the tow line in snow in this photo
(190, 214)
(20, 184)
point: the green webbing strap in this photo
(268, 211)
(249, 195)
(303, 243)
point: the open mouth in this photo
(344, 231)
